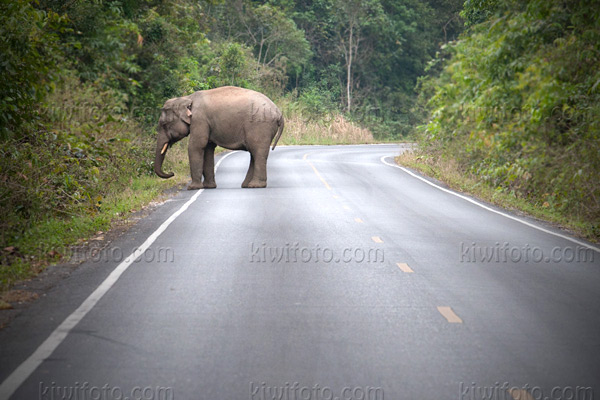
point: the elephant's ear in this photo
(185, 112)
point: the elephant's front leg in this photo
(209, 167)
(196, 156)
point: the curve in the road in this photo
(539, 228)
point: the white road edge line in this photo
(23, 371)
(539, 228)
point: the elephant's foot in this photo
(256, 184)
(195, 186)
(209, 185)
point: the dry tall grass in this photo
(331, 129)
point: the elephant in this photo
(230, 117)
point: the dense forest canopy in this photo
(360, 56)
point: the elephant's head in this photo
(173, 125)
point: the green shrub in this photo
(81, 149)
(517, 104)
(29, 48)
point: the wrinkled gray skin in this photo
(230, 117)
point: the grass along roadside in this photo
(51, 240)
(448, 171)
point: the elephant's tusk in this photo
(164, 148)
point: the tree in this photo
(30, 52)
(274, 37)
(352, 18)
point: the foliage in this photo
(478, 11)
(64, 166)
(517, 103)
(278, 47)
(28, 44)
(393, 41)
(364, 54)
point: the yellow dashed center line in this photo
(360, 221)
(450, 315)
(405, 268)
(377, 239)
(317, 172)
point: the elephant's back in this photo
(233, 92)
(250, 103)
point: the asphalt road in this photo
(346, 278)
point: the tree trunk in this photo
(349, 70)
(262, 42)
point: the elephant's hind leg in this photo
(259, 168)
(249, 173)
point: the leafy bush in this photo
(518, 104)
(82, 148)
(29, 48)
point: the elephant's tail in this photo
(279, 131)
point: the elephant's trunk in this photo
(161, 150)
